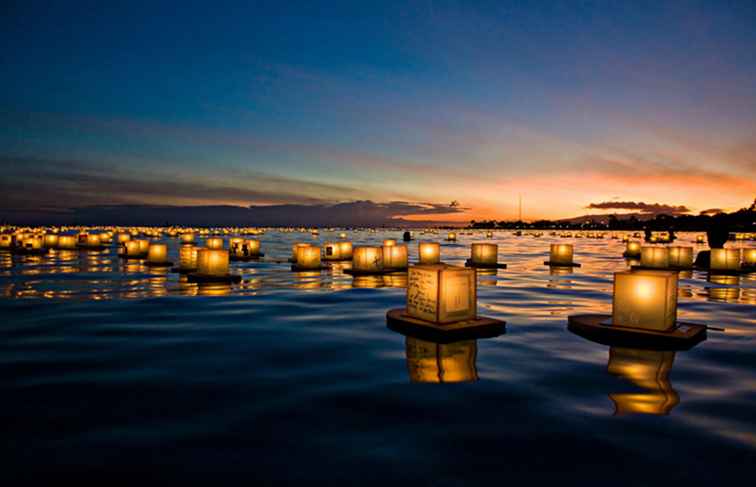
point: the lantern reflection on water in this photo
(441, 363)
(681, 257)
(649, 370)
(727, 288)
(429, 252)
(441, 294)
(645, 299)
(395, 257)
(655, 257)
(367, 259)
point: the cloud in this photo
(712, 211)
(652, 208)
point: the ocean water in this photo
(113, 372)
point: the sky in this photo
(579, 107)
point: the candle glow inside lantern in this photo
(656, 257)
(681, 256)
(725, 260)
(188, 258)
(124, 237)
(308, 257)
(234, 245)
(441, 294)
(484, 253)
(133, 249)
(429, 252)
(633, 249)
(89, 240)
(157, 253)
(214, 243)
(294, 249)
(33, 242)
(749, 257)
(431, 362)
(700, 239)
(337, 251)
(67, 242)
(645, 299)
(6, 241)
(250, 247)
(212, 262)
(389, 242)
(51, 240)
(144, 246)
(395, 257)
(561, 254)
(187, 238)
(342, 235)
(367, 259)
(451, 236)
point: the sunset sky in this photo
(256, 103)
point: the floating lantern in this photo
(337, 251)
(346, 249)
(725, 260)
(681, 257)
(89, 240)
(124, 237)
(655, 257)
(649, 370)
(700, 239)
(645, 299)
(67, 242)
(389, 242)
(632, 249)
(188, 255)
(212, 262)
(132, 249)
(625, 238)
(250, 248)
(33, 244)
(308, 258)
(51, 240)
(294, 249)
(429, 252)
(144, 246)
(451, 237)
(342, 235)
(234, 245)
(6, 241)
(441, 363)
(485, 254)
(489, 234)
(561, 255)
(187, 238)
(367, 259)
(749, 257)
(441, 294)
(214, 243)
(157, 255)
(395, 257)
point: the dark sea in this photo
(115, 373)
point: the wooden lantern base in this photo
(246, 258)
(345, 259)
(296, 268)
(470, 263)
(631, 256)
(132, 257)
(159, 264)
(598, 328)
(196, 277)
(670, 268)
(398, 320)
(384, 272)
(181, 270)
(557, 264)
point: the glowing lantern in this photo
(441, 294)
(389, 242)
(633, 249)
(157, 254)
(89, 240)
(6, 241)
(436, 363)
(657, 257)
(294, 249)
(188, 258)
(645, 299)
(367, 259)
(212, 262)
(561, 254)
(681, 257)
(342, 235)
(451, 236)
(749, 257)
(67, 242)
(124, 237)
(625, 238)
(700, 239)
(308, 257)
(214, 243)
(33, 243)
(132, 249)
(345, 248)
(484, 253)
(429, 252)
(725, 260)
(51, 240)
(489, 234)
(187, 238)
(234, 245)
(337, 251)
(144, 246)
(649, 370)
(395, 257)
(250, 248)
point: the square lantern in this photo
(251, 247)
(657, 257)
(441, 294)
(645, 299)
(332, 251)
(51, 240)
(124, 237)
(66, 242)
(725, 260)
(749, 257)
(342, 235)
(33, 242)
(389, 242)
(395, 257)
(308, 257)
(681, 256)
(132, 248)
(234, 245)
(157, 253)
(429, 252)
(700, 239)
(484, 253)
(345, 250)
(367, 259)
(214, 243)
(561, 254)
(451, 236)
(633, 248)
(188, 257)
(294, 249)
(212, 262)
(144, 246)
(89, 240)
(6, 241)
(187, 238)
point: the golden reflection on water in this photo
(437, 363)
(213, 289)
(648, 370)
(724, 290)
(308, 280)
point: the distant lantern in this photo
(681, 257)
(250, 248)
(441, 363)
(124, 237)
(725, 260)
(342, 235)
(33, 243)
(561, 254)
(308, 257)
(345, 249)
(187, 238)
(294, 249)
(429, 252)
(132, 249)
(451, 236)
(389, 242)
(441, 294)
(89, 240)
(645, 299)
(367, 259)
(337, 251)
(489, 234)
(188, 258)
(484, 253)
(214, 243)
(749, 257)
(633, 249)
(67, 242)
(212, 262)
(234, 245)
(6, 241)
(51, 240)
(656, 257)
(157, 254)
(144, 246)
(625, 238)
(395, 257)
(700, 239)
(649, 370)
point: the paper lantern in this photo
(395, 257)
(133, 249)
(645, 299)
(484, 253)
(441, 363)
(33, 242)
(345, 248)
(648, 370)
(51, 240)
(561, 254)
(681, 257)
(700, 239)
(342, 235)
(157, 253)
(489, 234)
(212, 262)
(6, 241)
(337, 251)
(389, 242)
(725, 260)
(250, 247)
(187, 238)
(188, 258)
(144, 246)
(633, 249)
(429, 252)
(308, 257)
(367, 259)
(234, 245)
(89, 240)
(441, 294)
(656, 257)
(124, 237)
(67, 242)
(294, 249)
(749, 257)
(214, 243)
(451, 236)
